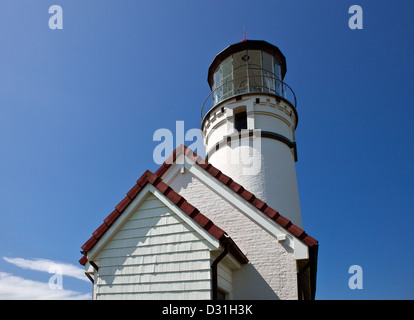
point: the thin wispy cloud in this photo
(49, 266)
(17, 288)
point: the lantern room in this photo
(250, 66)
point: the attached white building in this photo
(207, 230)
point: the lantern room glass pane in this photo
(279, 79)
(227, 77)
(255, 70)
(240, 72)
(268, 77)
(216, 86)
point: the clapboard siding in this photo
(224, 275)
(155, 268)
(158, 258)
(179, 295)
(151, 241)
(152, 232)
(156, 287)
(154, 255)
(150, 250)
(160, 277)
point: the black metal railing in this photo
(265, 82)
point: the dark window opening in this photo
(240, 121)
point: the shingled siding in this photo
(154, 255)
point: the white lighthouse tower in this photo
(249, 122)
(228, 228)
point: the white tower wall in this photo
(261, 158)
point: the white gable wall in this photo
(154, 255)
(271, 272)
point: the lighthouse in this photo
(227, 226)
(249, 121)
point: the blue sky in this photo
(79, 106)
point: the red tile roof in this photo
(237, 188)
(179, 201)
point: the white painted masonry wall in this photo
(270, 174)
(271, 272)
(154, 255)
